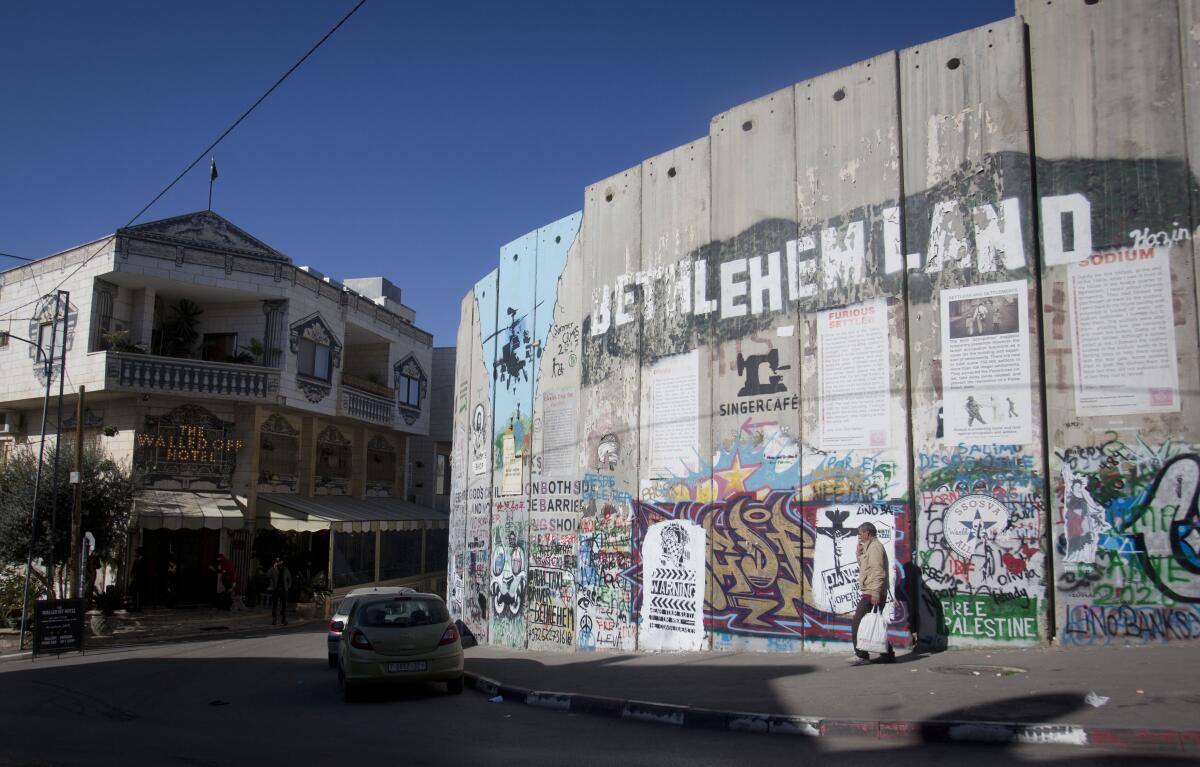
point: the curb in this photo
(932, 731)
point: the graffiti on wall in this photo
(509, 574)
(476, 564)
(550, 590)
(1128, 538)
(673, 569)
(980, 542)
(835, 563)
(603, 598)
(758, 574)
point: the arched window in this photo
(318, 351)
(411, 388)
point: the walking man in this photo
(973, 413)
(873, 585)
(279, 580)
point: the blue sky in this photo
(418, 140)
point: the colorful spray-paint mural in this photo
(862, 298)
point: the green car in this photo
(399, 639)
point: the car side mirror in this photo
(464, 635)
(337, 626)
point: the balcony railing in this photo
(366, 406)
(147, 372)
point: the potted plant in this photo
(118, 341)
(102, 617)
(311, 590)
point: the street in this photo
(271, 698)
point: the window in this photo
(403, 612)
(442, 486)
(3, 339)
(334, 455)
(102, 314)
(278, 456)
(409, 390)
(381, 462)
(5, 451)
(218, 347)
(313, 359)
(45, 333)
(334, 461)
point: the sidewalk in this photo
(159, 624)
(1029, 695)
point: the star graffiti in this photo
(977, 526)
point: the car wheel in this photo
(454, 686)
(333, 661)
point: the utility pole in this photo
(75, 557)
(37, 482)
(62, 374)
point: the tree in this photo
(179, 332)
(107, 504)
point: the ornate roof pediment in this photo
(203, 229)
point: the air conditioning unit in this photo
(12, 422)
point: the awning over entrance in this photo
(344, 514)
(187, 510)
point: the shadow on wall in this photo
(927, 620)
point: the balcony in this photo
(366, 401)
(224, 380)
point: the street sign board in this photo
(58, 626)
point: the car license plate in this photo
(412, 665)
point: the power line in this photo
(19, 258)
(200, 156)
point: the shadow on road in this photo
(264, 702)
(737, 687)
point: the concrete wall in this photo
(1124, 462)
(949, 290)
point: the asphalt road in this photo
(272, 699)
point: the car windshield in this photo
(345, 606)
(403, 612)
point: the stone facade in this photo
(290, 373)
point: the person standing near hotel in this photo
(279, 582)
(226, 580)
(139, 575)
(873, 586)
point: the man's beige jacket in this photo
(872, 569)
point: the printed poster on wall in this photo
(835, 557)
(479, 440)
(1123, 333)
(855, 377)
(673, 567)
(558, 433)
(510, 478)
(673, 420)
(985, 365)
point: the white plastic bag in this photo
(872, 633)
